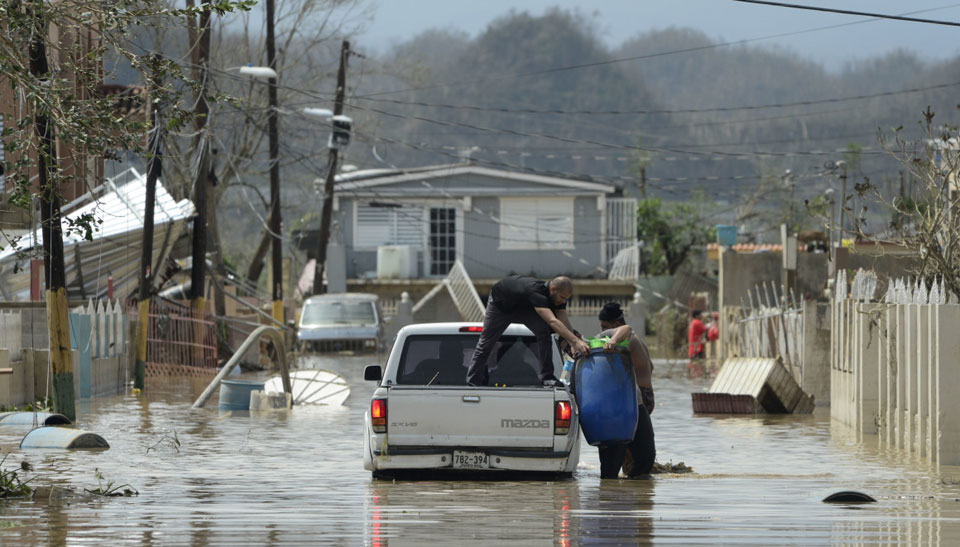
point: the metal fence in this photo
(179, 335)
(770, 325)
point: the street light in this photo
(258, 71)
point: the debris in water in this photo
(848, 496)
(670, 468)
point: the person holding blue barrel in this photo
(638, 456)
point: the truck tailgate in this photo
(456, 416)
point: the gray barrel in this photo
(26, 419)
(62, 437)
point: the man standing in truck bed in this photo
(542, 307)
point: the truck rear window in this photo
(442, 360)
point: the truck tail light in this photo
(378, 415)
(561, 417)
(471, 329)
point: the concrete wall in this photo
(28, 383)
(815, 372)
(894, 373)
(482, 257)
(741, 272)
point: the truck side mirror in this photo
(372, 373)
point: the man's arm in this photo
(620, 334)
(565, 332)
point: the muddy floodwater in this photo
(298, 478)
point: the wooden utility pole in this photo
(275, 224)
(643, 182)
(327, 211)
(58, 330)
(154, 171)
(201, 177)
(843, 198)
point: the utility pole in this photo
(843, 198)
(327, 212)
(154, 171)
(643, 182)
(58, 330)
(275, 224)
(202, 112)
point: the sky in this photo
(723, 20)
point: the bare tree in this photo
(926, 221)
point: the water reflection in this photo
(565, 513)
(617, 512)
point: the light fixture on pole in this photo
(258, 72)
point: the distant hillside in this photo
(517, 65)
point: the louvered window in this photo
(377, 226)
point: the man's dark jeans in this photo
(643, 452)
(495, 321)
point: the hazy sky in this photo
(396, 20)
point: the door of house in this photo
(442, 240)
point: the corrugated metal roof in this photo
(118, 203)
(116, 240)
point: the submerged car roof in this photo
(359, 296)
(515, 329)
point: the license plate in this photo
(470, 460)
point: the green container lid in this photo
(597, 343)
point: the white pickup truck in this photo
(423, 416)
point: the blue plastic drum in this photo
(235, 394)
(606, 393)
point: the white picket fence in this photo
(10, 333)
(894, 366)
(591, 305)
(107, 334)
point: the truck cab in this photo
(423, 416)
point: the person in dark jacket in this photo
(542, 307)
(638, 456)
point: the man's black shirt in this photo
(519, 291)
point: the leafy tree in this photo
(669, 235)
(51, 58)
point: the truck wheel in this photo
(381, 476)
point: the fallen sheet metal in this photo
(769, 385)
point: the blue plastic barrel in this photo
(726, 235)
(235, 394)
(606, 393)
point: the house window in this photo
(536, 223)
(376, 226)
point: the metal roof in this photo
(118, 205)
(359, 180)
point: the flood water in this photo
(298, 478)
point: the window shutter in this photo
(536, 223)
(378, 226)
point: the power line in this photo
(592, 142)
(851, 12)
(648, 56)
(665, 111)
